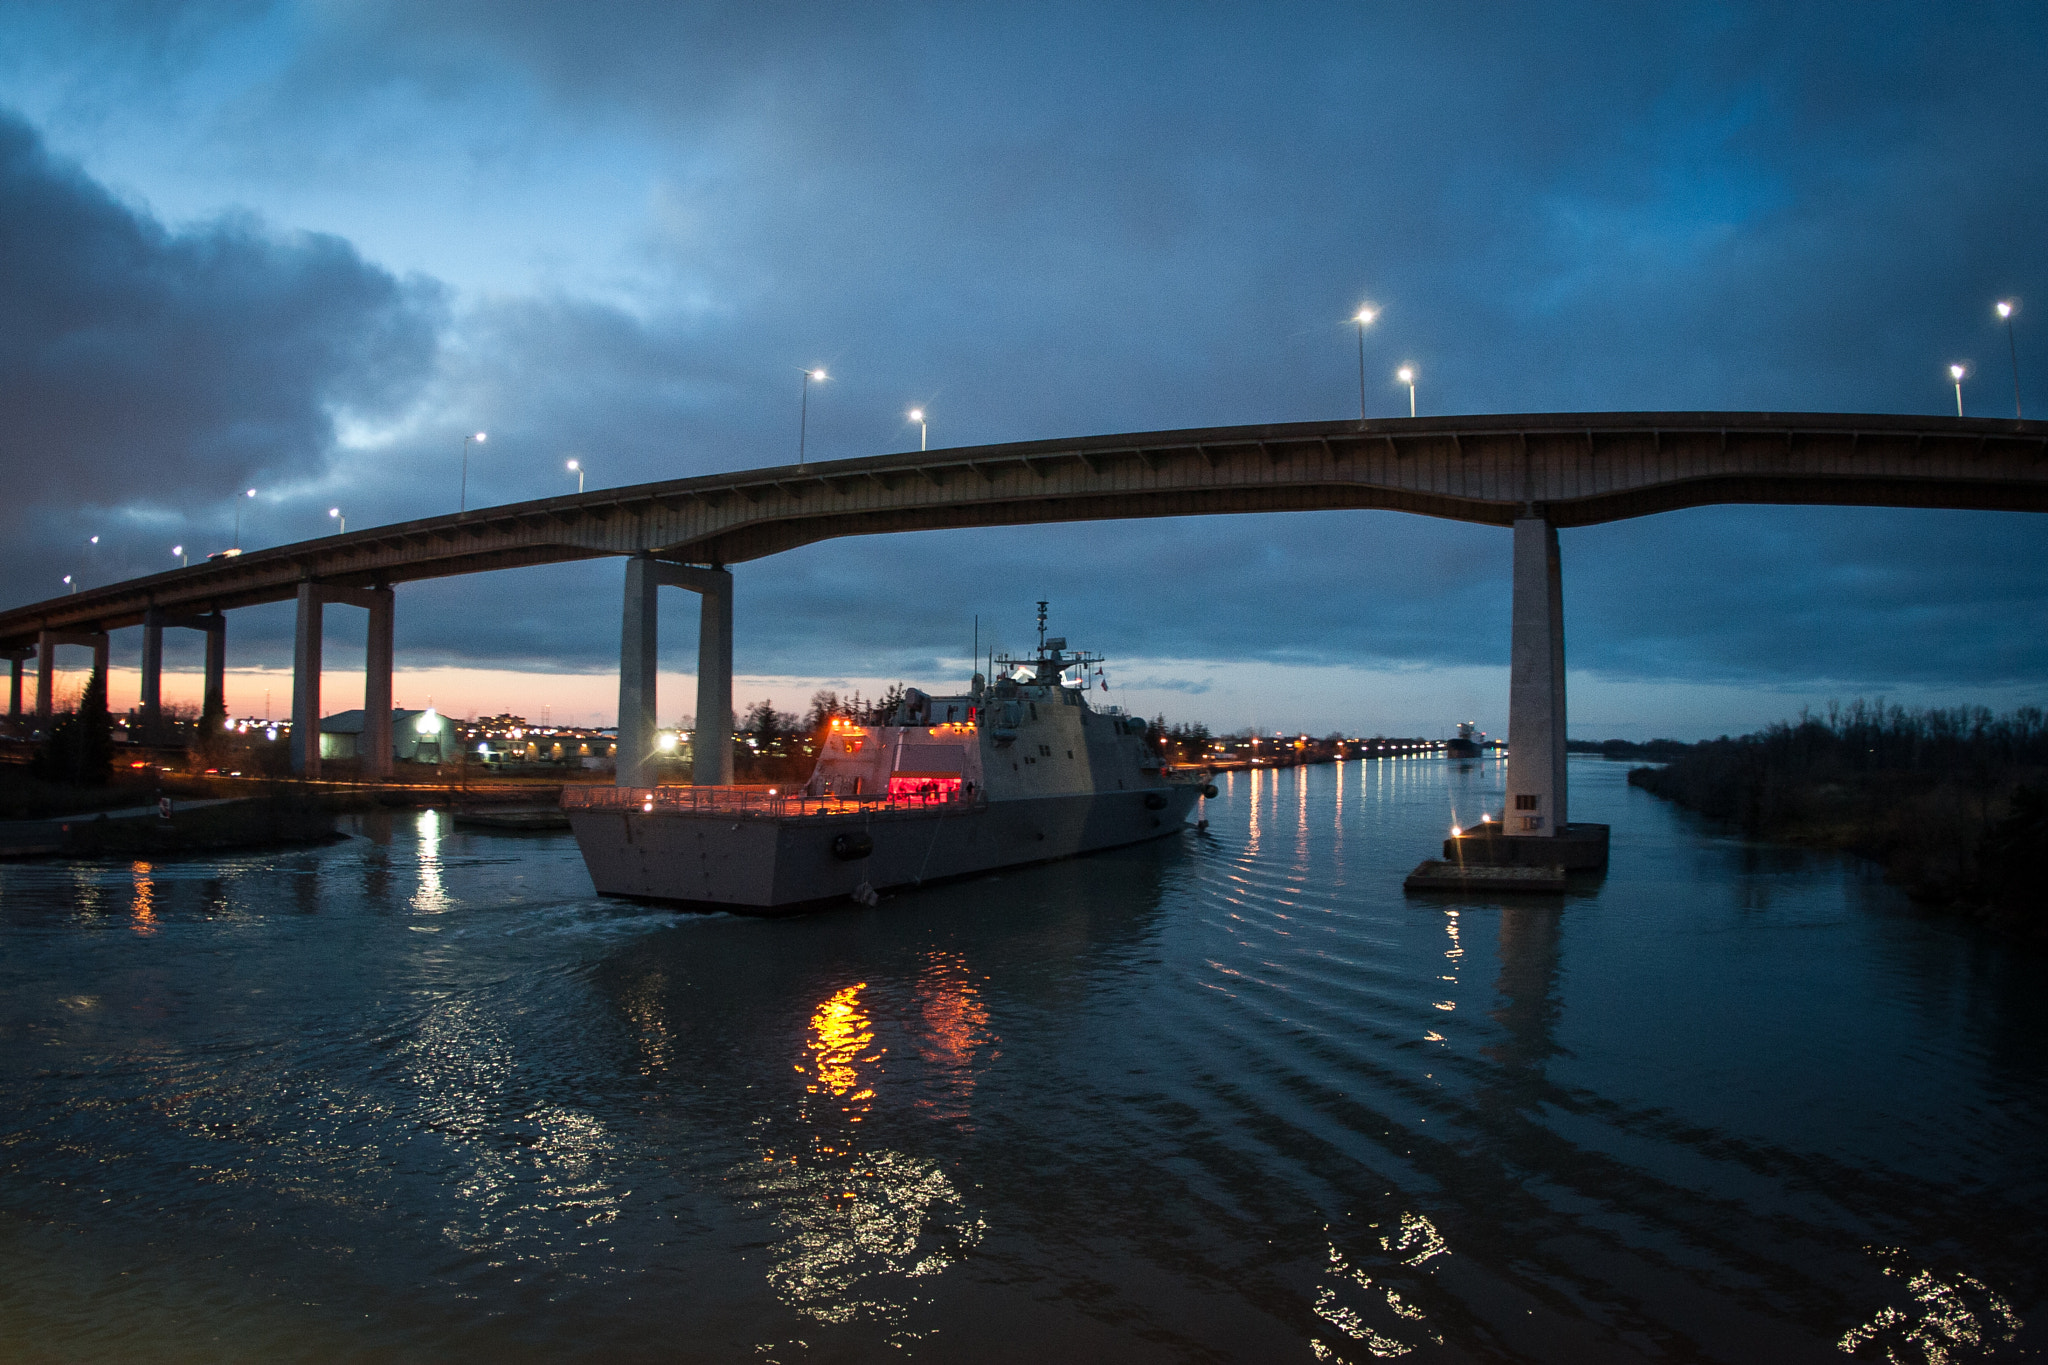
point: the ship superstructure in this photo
(1019, 769)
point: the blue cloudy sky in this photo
(305, 246)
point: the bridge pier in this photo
(1535, 829)
(639, 633)
(46, 666)
(374, 755)
(154, 622)
(16, 657)
(1536, 724)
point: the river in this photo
(421, 1096)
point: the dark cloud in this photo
(146, 372)
(1082, 218)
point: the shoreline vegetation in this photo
(1951, 803)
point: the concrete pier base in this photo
(1575, 848)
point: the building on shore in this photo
(416, 736)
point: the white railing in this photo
(769, 802)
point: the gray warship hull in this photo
(752, 852)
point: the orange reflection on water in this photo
(145, 898)
(840, 1031)
(956, 1028)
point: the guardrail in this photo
(763, 802)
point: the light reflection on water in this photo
(855, 1220)
(1231, 1096)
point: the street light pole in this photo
(1956, 372)
(923, 432)
(335, 512)
(1366, 314)
(2006, 308)
(1406, 374)
(238, 519)
(577, 468)
(479, 438)
(803, 427)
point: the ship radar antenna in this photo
(1041, 627)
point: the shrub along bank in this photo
(1953, 803)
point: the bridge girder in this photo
(1572, 469)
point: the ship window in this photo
(1045, 751)
(1070, 753)
(1524, 801)
(1532, 822)
(1034, 709)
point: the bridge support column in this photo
(214, 701)
(152, 675)
(1536, 725)
(373, 754)
(306, 683)
(639, 632)
(46, 666)
(374, 759)
(16, 657)
(46, 679)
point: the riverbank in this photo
(284, 817)
(1952, 804)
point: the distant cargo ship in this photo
(1021, 770)
(1464, 746)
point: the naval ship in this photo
(1023, 769)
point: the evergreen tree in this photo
(80, 748)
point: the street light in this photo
(804, 421)
(923, 431)
(69, 584)
(184, 560)
(578, 471)
(1406, 374)
(1364, 317)
(1956, 372)
(238, 519)
(479, 438)
(2006, 308)
(335, 512)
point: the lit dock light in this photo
(1456, 832)
(666, 742)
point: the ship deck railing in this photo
(763, 802)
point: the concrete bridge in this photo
(1531, 473)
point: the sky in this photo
(306, 247)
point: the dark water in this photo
(421, 1097)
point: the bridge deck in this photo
(1574, 469)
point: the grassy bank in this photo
(1952, 803)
